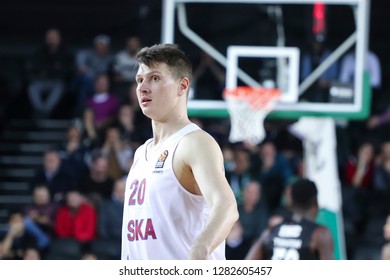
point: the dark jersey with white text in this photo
(290, 240)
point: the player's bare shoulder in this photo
(199, 143)
(322, 241)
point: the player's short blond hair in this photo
(170, 54)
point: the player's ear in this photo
(184, 85)
(315, 207)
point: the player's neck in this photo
(300, 215)
(163, 130)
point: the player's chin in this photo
(148, 112)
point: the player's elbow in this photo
(233, 212)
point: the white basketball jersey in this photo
(161, 219)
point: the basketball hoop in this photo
(248, 107)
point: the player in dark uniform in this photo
(297, 237)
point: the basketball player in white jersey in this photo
(178, 203)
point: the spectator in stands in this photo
(76, 219)
(239, 174)
(90, 63)
(48, 70)
(273, 171)
(110, 218)
(379, 120)
(132, 97)
(54, 175)
(90, 137)
(379, 114)
(360, 169)
(22, 233)
(97, 184)
(311, 59)
(252, 221)
(73, 152)
(144, 127)
(374, 69)
(42, 210)
(104, 104)
(381, 182)
(227, 151)
(118, 152)
(125, 66)
(357, 186)
(130, 131)
(372, 64)
(209, 78)
(253, 211)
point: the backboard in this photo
(286, 58)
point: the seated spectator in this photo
(143, 122)
(42, 211)
(374, 69)
(54, 175)
(90, 63)
(125, 66)
(76, 219)
(73, 152)
(273, 171)
(379, 120)
(252, 221)
(228, 154)
(97, 184)
(130, 131)
(372, 63)
(253, 211)
(357, 188)
(239, 174)
(48, 71)
(22, 233)
(104, 104)
(381, 184)
(118, 152)
(110, 219)
(89, 134)
(360, 169)
(311, 59)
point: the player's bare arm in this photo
(203, 161)
(256, 251)
(323, 243)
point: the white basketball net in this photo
(248, 108)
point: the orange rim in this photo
(255, 96)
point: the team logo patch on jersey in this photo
(161, 160)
